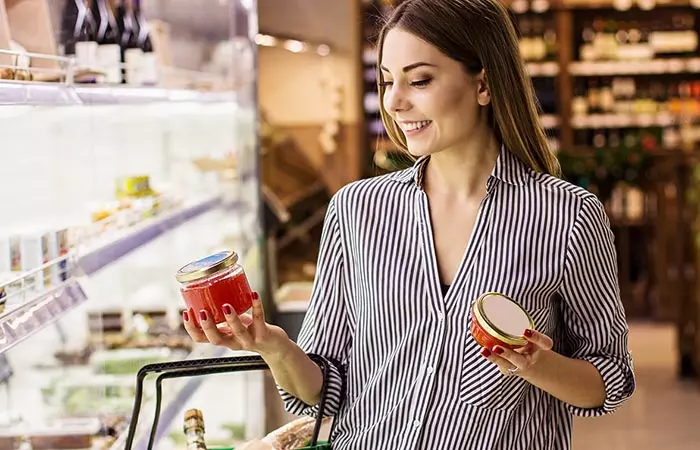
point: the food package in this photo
(294, 435)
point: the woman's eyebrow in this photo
(410, 67)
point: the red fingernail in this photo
(528, 333)
(486, 353)
(498, 350)
(203, 315)
(256, 296)
(185, 316)
(227, 310)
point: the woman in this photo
(404, 255)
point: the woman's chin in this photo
(418, 151)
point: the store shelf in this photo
(640, 67)
(549, 120)
(96, 95)
(57, 94)
(597, 4)
(622, 120)
(96, 256)
(25, 319)
(543, 69)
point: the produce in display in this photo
(499, 320)
(128, 361)
(214, 281)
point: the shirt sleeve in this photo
(596, 328)
(325, 331)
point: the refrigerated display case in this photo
(108, 191)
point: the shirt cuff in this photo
(618, 377)
(335, 394)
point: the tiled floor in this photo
(663, 414)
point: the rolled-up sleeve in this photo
(325, 330)
(596, 328)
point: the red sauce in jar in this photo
(222, 282)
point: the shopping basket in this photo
(210, 366)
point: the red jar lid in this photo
(206, 266)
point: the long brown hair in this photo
(480, 35)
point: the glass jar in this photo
(213, 281)
(499, 320)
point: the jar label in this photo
(206, 262)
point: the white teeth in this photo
(412, 126)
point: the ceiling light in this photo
(294, 46)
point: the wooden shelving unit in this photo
(658, 250)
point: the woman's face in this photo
(435, 102)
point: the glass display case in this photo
(110, 186)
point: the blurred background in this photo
(141, 135)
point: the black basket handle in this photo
(208, 366)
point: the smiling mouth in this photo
(411, 128)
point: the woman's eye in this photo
(386, 83)
(421, 83)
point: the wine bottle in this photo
(193, 428)
(130, 51)
(109, 51)
(78, 33)
(149, 61)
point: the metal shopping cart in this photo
(210, 366)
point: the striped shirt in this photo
(405, 371)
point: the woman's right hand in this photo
(246, 332)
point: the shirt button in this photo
(416, 424)
(430, 370)
(440, 317)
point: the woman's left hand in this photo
(522, 360)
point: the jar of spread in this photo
(212, 282)
(499, 320)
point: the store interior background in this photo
(262, 189)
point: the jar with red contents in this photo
(212, 282)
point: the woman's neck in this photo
(462, 172)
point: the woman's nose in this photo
(394, 100)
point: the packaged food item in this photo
(36, 251)
(211, 282)
(134, 186)
(10, 290)
(10, 253)
(499, 320)
(296, 434)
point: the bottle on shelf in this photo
(148, 75)
(109, 50)
(131, 54)
(78, 33)
(193, 428)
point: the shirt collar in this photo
(508, 169)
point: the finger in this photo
(258, 312)
(211, 331)
(238, 329)
(503, 364)
(527, 349)
(540, 340)
(193, 329)
(246, 319)
(514, 359)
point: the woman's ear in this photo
(483, 92)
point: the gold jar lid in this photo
(491, 328)
(206, 266)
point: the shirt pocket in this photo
(481, 382)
